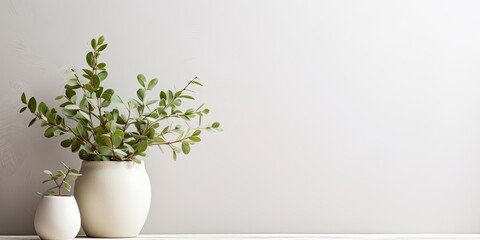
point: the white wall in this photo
(340, 116)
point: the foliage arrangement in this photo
(61, 180)
(102, 126)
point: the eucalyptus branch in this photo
(90, 113)
(171, 142)
(190, 83)
(103, 133)
(169, 104)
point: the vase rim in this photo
(57, 196)
(102, 164)
(99, 162)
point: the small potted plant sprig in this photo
(57, 215)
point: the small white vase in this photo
(113, 197)
(57, 218)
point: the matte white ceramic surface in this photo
(57, 218)
(113, 197)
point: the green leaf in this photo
(150, 102)
(102, 75)
(71, 83)
(51, 117)
(84, 115)
(22, 109)
(48, 180)
(141, 79)
(89, 87)
(59, 120)
(142, 146)
(189, 111)
(69, 93)
(185, 147)
(66, 143)
(101, 48)
(42, 108)
(67, 186)
(60, 172)
(107, 94)
(177, 102)
(129, 147)
(72, 174)
(75, 146)
(141, 94)
(117, 99)
(195, 139)
(104, 140)
(106, 103)
(197, 83)
(32, 122)
(71, 178)
(177, 94)
(89, 58)
(72, 107)
(23, 98)
(136, 160)
(81, 129)
(32, 104)
(163, 95)
(58, 97)
(83, 104)
(152, 83)
(197, 132)
(119, 152)
(117, 137)
(65, 165)
(93, 43)
(73, 170)
(96, 82)
(187, 97)
(100, 40)
(158, 140)
(174, 156)
(51, 131)
(215, 125)
(48, 172)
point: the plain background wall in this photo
(339, 116)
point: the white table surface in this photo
(283, 237)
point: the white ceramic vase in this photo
(57, 218)
(113, 197)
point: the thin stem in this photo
(168, 105)
(56, 183)
(171, 142)
(128, 118)
(89, 110)
(64, 179)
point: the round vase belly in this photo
(57, 218)
(113, 197)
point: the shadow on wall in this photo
(24, 154)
